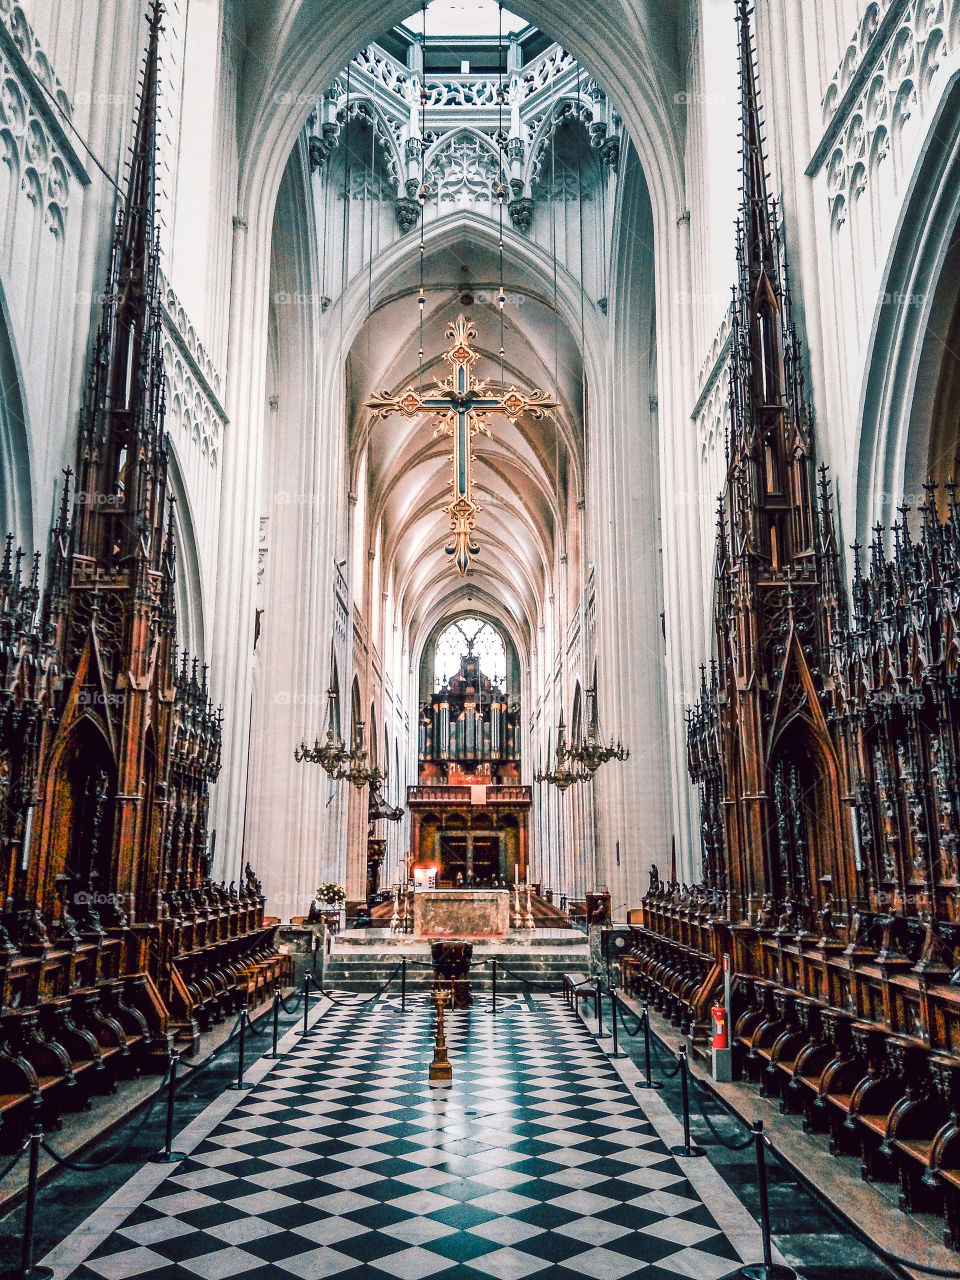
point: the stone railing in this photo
(462, 795)
(469, 90)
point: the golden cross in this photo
(462, 403)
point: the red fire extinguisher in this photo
(720, 1038)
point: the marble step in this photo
(357, 971)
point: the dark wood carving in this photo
(113, 939)
(825, 746)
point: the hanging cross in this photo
(462, 402)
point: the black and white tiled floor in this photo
(344, 1161)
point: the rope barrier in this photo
(700, 1093)
(655, 1041)
(91, 1166)
(757, 1137)
(202, 1066)
(251, 1025)
(370, 999)
(624, 1012)
(529, 982)
(296, 1004)
(887, 1256)
(14, 1160)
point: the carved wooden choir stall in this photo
(113, 938)
(825, 748)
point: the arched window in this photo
(470, 636)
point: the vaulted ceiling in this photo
(523, 472)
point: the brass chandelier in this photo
(591, 752)
(580, 761)
(561, 775)
(339, 763)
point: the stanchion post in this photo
(494, 984)
(276, 1025)
(687, 1149)
(27, 1269)
(601, 1034)
(403, 985)
(649, 1082)
(239, 1083)
(613, 1023)
(768, 1269)
(306, 1001)
(168, 1155)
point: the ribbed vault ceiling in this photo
(521, 470)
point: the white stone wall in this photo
(858, 100)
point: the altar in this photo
(461, 913)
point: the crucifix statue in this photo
(462, 403)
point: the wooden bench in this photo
(577, 986)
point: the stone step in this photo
(355, 970)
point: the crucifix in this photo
(462, 403)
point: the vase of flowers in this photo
(331, 897)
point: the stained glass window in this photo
(470, 635)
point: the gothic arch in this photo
(82, 766)
(520, 254)
(335, 718)
(426, 650)
(576, 716)
(293, 57)
(16, 476)
(498, 167)
(191, 632)
(356, 709)
(803, 758)
(914, 312)
(366, 111)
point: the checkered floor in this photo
(536, 1161)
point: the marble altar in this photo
(461, 913)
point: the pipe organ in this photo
(469, 812)
(469, 721)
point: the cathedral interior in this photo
(479, 639)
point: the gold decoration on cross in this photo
(462, 403)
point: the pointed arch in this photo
(191, 630)
(81, 788)
(356, 710)
(16, 479)
(576, 716)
